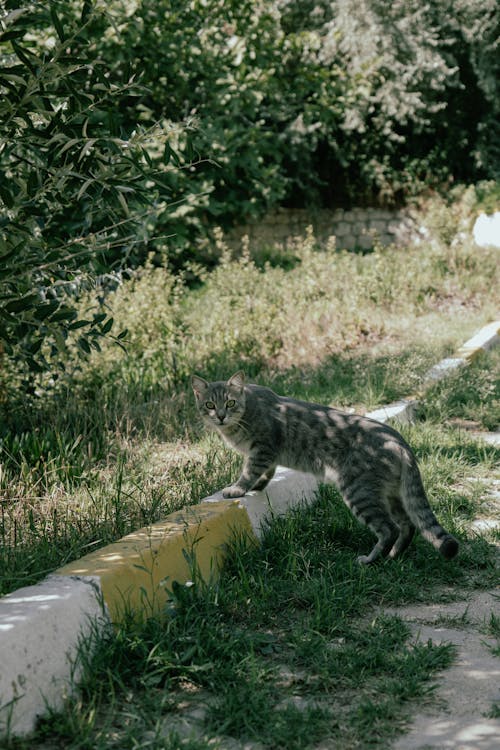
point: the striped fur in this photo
(370, 463)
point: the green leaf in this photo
(107, 326)
(8, 36)
(87, 147)
(57, 24)
(23, 303)
(84, 345)
(123, 203)
(86, 11)
(34, 346)
(84, 188)
(23, 55)
(41, 312)
(79, 324)
(69, 144)
(5, 194)
(63, 314)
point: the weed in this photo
(493, 629)
(494, 712)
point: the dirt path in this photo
(459, 715)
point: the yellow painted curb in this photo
(137, 572)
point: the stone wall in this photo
(354, 229)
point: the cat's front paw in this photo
(233, 491)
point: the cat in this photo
(373, 467)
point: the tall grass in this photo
(114, 443)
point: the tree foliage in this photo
(135, 125)
(332, 102)
(78, 191)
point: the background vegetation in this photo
(132, 127)
(115, 443)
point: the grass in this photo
(60, 499)
(55, 507)
(289, 649)
(470, 396)
(286, 650)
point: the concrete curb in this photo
(404, 411)
(40, 628)
(41, 625)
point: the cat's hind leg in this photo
(368, 508)
(406, 527)
(386, 538)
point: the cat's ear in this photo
(199, 385)
(237, 380)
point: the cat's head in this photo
(221, 404)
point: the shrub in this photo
(78, 193)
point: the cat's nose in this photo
(221, 418)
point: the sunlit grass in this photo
(115, 444)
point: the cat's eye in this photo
(210, 405)
(230, 403)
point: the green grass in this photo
(63, 495)
(470, 394)
(115, 444)
(289, 649)
(44, 528)
(286, 650)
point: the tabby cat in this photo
(370, 463)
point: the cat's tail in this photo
(420, 513)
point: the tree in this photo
(78, 196)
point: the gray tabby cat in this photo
(370, 463)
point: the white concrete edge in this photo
(40, 629)
(485, 338)
(401, 411)
(404, 411)
(287, 489)
(444, 368)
